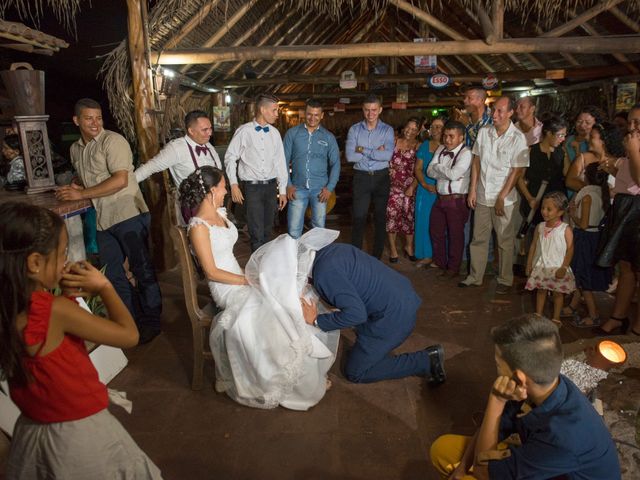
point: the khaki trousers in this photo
(485, 220)
(446, 453)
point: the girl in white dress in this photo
(265, 353)
(550, 255)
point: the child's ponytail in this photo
(596, 176)
(24, 229)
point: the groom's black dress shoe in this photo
(436, 359)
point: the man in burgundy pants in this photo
(451, 167)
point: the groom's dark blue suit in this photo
(379, 302)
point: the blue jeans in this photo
(128, 239)
(298, 207)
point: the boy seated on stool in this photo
(560, 433)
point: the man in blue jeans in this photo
(104, 162)
(313, 158)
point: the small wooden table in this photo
(68, 210)
(47, 200)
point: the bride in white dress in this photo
(265, 353)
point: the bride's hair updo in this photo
(196, 186)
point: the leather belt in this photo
(452, 196)
(384, 171)
(258, 182)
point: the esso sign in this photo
(490, 82)
(439, 80)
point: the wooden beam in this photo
(582, 18)
(266, 17)
(191, 24)
(497, 18)
(311, 29)
(618, 56)
(355, 39)
(620, 15)
(571, 73)
(27, 41)
(276, 28)
(221, 32)
(490, 35)
(602, 45)
(426, 18)
(437, 25)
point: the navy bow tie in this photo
(447, 153)
(264, 129)
(200, 149)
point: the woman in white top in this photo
(265, 353)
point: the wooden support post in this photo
(147, 133)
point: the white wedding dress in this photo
(265, 353)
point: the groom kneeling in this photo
(381, 304)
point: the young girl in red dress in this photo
(64, 430)
(549, 260)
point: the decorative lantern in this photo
(606, 355)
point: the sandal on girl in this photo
(586, 322)
(568, 311)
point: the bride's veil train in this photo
(265, 353)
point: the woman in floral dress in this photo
(401, 205)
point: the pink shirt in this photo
(624, 182)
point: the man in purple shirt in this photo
(370, 147)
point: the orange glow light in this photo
(612, 352)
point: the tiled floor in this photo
(375, 431)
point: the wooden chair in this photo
(200, 318)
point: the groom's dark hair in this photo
(196, 186)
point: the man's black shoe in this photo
(147, 334)
(436, 359)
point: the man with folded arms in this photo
(257, 170)
(369, 148)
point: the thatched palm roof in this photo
(189, 25)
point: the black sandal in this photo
(619, 330)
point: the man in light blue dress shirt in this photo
(370, 147)
(314, 160)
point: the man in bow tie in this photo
(451, 168)
(184, 155)
(257, 170)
